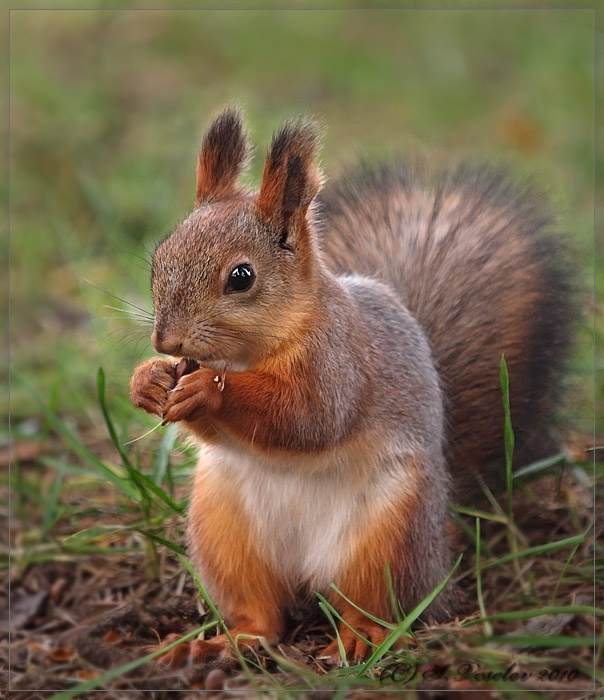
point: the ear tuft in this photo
(221, 159)
(291, 178)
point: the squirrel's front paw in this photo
(195, 394)
(151, 383)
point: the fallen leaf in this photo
(24, 607)
(61, 654)
(19, 452)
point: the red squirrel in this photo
(336, 357)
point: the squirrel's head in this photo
(235, 279)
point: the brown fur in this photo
(470, 252)
(221, 159)
(392, 538)
(242, 582)
(337, 393)
(290, 179)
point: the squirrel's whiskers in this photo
(144, 435)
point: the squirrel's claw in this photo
(197, 393)
(199, 651)
(150, 384)
(355, 647)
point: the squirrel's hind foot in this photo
(200, 651)
(355, 644)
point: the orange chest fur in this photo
(305, 516)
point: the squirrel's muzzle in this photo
(165, 344)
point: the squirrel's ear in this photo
(291, 177)
(221, 158)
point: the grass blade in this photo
(144, 485)
(101, 388)
(114, 673)
(405, 626)
(508, 433)
(122, 484)
(161, 467)
(536, 612)
(537, 550)
(541, 465)
(487, 625)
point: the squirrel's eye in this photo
(241, 278)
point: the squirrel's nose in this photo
(164, 344)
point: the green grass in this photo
(107, 109)
(140, 509)
(104, 133)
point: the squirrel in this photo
(336, 356)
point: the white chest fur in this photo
(307, 517)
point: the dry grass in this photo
(99, 593)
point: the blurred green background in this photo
(107, 109)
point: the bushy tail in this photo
(471, 254)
